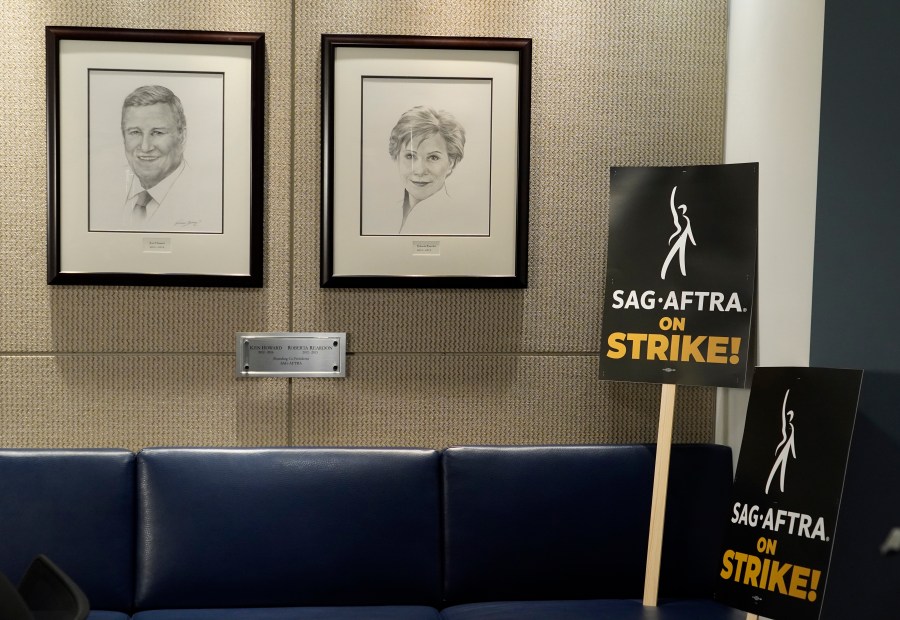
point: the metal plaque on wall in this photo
(291, 354)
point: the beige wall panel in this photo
(133, 401)
(620, 82)
(24, 311)
(435, 401)
(38, 318)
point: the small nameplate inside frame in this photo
(426, 248)
(291, 355)
(157, 245)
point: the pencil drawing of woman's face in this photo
(423, 166)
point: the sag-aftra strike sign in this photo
(681, 268)
(787, 491)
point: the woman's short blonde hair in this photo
(424, 122)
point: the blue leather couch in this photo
(468, 533)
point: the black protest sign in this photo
(681, 268)
(787, 491)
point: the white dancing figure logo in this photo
(681, 236)
(785, 449)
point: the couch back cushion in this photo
(287, 527)
(531, 523)
(697, 511)
(78, 508)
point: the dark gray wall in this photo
(856, 283)
(856, 286)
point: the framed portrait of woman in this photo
(425, 160)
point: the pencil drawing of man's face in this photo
(424, 166)
(154, 144)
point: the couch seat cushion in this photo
(606, 609)
(386, 612)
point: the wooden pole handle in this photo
(660, 486)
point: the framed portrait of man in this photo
(156, 157)
(425, 161)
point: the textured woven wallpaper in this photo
(618, 82)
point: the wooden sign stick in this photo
(752, 616)
(660, 486)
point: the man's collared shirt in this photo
(158, 194)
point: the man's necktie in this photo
(140, 204)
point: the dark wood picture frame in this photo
(90, 65)
(361, 78)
